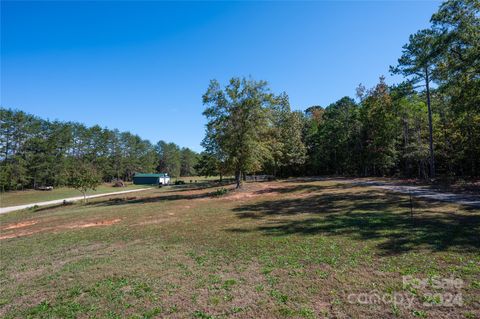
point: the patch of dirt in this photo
(94, 224)
(240, 195)
(20, 234)
(149, 222)
(157, 220)
(19, 225)
(252, 190)
(26, 232)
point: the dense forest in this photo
(426, 127)
(36, 152)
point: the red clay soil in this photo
(26, 232)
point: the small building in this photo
(151, 179)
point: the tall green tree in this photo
(208, 165)
(237, 122)
(413, 135)
(188, 160)
(458, 79)
(294, 151)
(418, 63)
(337, 137)
(380, 127)
(313, 122)
(169, 158)
(279, 112)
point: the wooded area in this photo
(37, 152)
(427, 126)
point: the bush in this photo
(118, 183)
(179, 182)
(221, 191)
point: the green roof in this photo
(150, 175)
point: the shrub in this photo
(221, 191)
(118, 183)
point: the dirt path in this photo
(421, 191)
(4, 210)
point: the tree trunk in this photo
(238, 178)
(7, 145)
(405, 144)
(335, 160)
(432, 158)
(84, 197)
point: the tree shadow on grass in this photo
(198, 186)
(367, 216)
(311, 179)
(147, 200)
(51, 207)
(303, 188)
(177, 194)
(128, 200)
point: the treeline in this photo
(427, 125)
(36, 152)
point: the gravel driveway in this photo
(424, 192)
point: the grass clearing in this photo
(293, 249)
(32, 196)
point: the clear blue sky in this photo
(144, 66)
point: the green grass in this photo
(31, 196)
(280, 249)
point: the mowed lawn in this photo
(284, 249)
(32, 196)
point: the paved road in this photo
(4, 210)
(420, 191)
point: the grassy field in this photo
(285, 249)
(32, 196)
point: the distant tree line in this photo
(36, 152)
(428, 124)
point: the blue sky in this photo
(143, 66)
